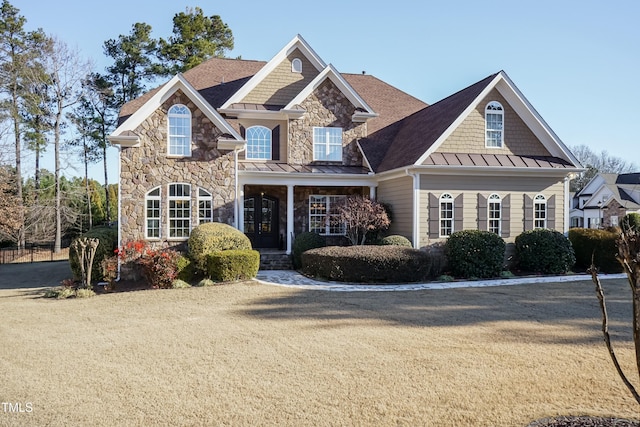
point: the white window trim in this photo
(204, 198)
(169, 135)
(540, 199)
(326, 144)
(270, 145)
(500, 112)
(329, 198)
(169, 199)
(494, 199)
(296, 65)
(148, 197)
(445, 198)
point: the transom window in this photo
(494, 122)
(539, 212)
(152, 214)
(205, 206)
(327, 143)
(259, 143)
(446, 215)
(495, 214)
(296, 65)
(321, 218)
(179, 130)
(179, 211)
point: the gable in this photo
(469, 136)
(281, 85)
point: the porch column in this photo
(290, 218)
(240, 213)
(372, 192)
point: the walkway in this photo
(293, 279)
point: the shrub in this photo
(186, 269)
(360, 216)
(544, 251)
(225, 266)
(212, 237)
(304, 242)
(601, 244)
(396, 240)
(475, 253)
(60, 292)
(160, 267)
(108, 238)
(179, 284)
(110, 270)
(85, 293)
(631, 221)
(205, 282)
(383, 264)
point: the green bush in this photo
(475, 253)
(205, 282)
(632, 221)
(381, 264)
(225, 266)
(212, 237)
(396, 240)
(544, 251)
(179, 284)
(186, 269)
(601, 244)
(108, 238)
(304, 242)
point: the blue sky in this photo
(577, 62)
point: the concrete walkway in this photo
(293, 279)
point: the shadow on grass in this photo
(529, 312)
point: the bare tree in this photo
(360, 216)
(597, 163)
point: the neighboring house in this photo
(270, 147)
(605, 200)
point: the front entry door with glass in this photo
(261, 221)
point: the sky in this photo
(576, 61)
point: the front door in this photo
(261, 221)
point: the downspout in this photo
(236, 206)
(416, 207)
(119, 207)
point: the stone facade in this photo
(326, 107)
(613, 209)
(148, 166)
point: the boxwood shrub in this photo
(303, 242)
(544, 251)
(396, 240)
(601, 244)
(213, 237)
(475, 253)
(368, 263)
(108, 238)
(226, 266)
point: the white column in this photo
(372, 192)
(240, 202)
(290, 218)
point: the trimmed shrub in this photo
(108, 238)
(475, 253)
(179, 284)
(544, 251)
(205, 282)
(601, 244)
(186, 269)
(381, 264)
(396, 240)
(632, 221)
(226, 266)
(212, 237)
(304, 242)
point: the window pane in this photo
(259, 143)
(327, 143)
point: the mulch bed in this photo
(584, 421)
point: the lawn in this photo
(251, 354)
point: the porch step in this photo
(275, 261)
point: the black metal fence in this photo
(32, 253)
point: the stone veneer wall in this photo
(326, 107)
(148, 166)
(613, 209)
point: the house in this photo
(605, 200)
(269, 147)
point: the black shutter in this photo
(528, 213)
(243, 132)
(275, 143)
(482, 213)
(434, 216)
(506, 216)
(551, 213)
(458, 213)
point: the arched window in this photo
(540, 211)
(446, 215)
(259, 143)
(296, 65)
(495, 214)
(494, 125)
(205, 206)
(179, 211)
(179, 130)
(152, 214)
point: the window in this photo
(320, 216)
(614, 220)
(494, 123)
(495, 214)
(446, 215)
(152, 215)
(179, 211)
(259, 143)
(327, 144)
(296, 65)
(179, 131)
(539, 212)
(205, 206)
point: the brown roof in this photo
(498, 160)
(285, 167)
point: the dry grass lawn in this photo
(251, 354)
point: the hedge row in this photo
(597, 245)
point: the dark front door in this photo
(261, 221)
